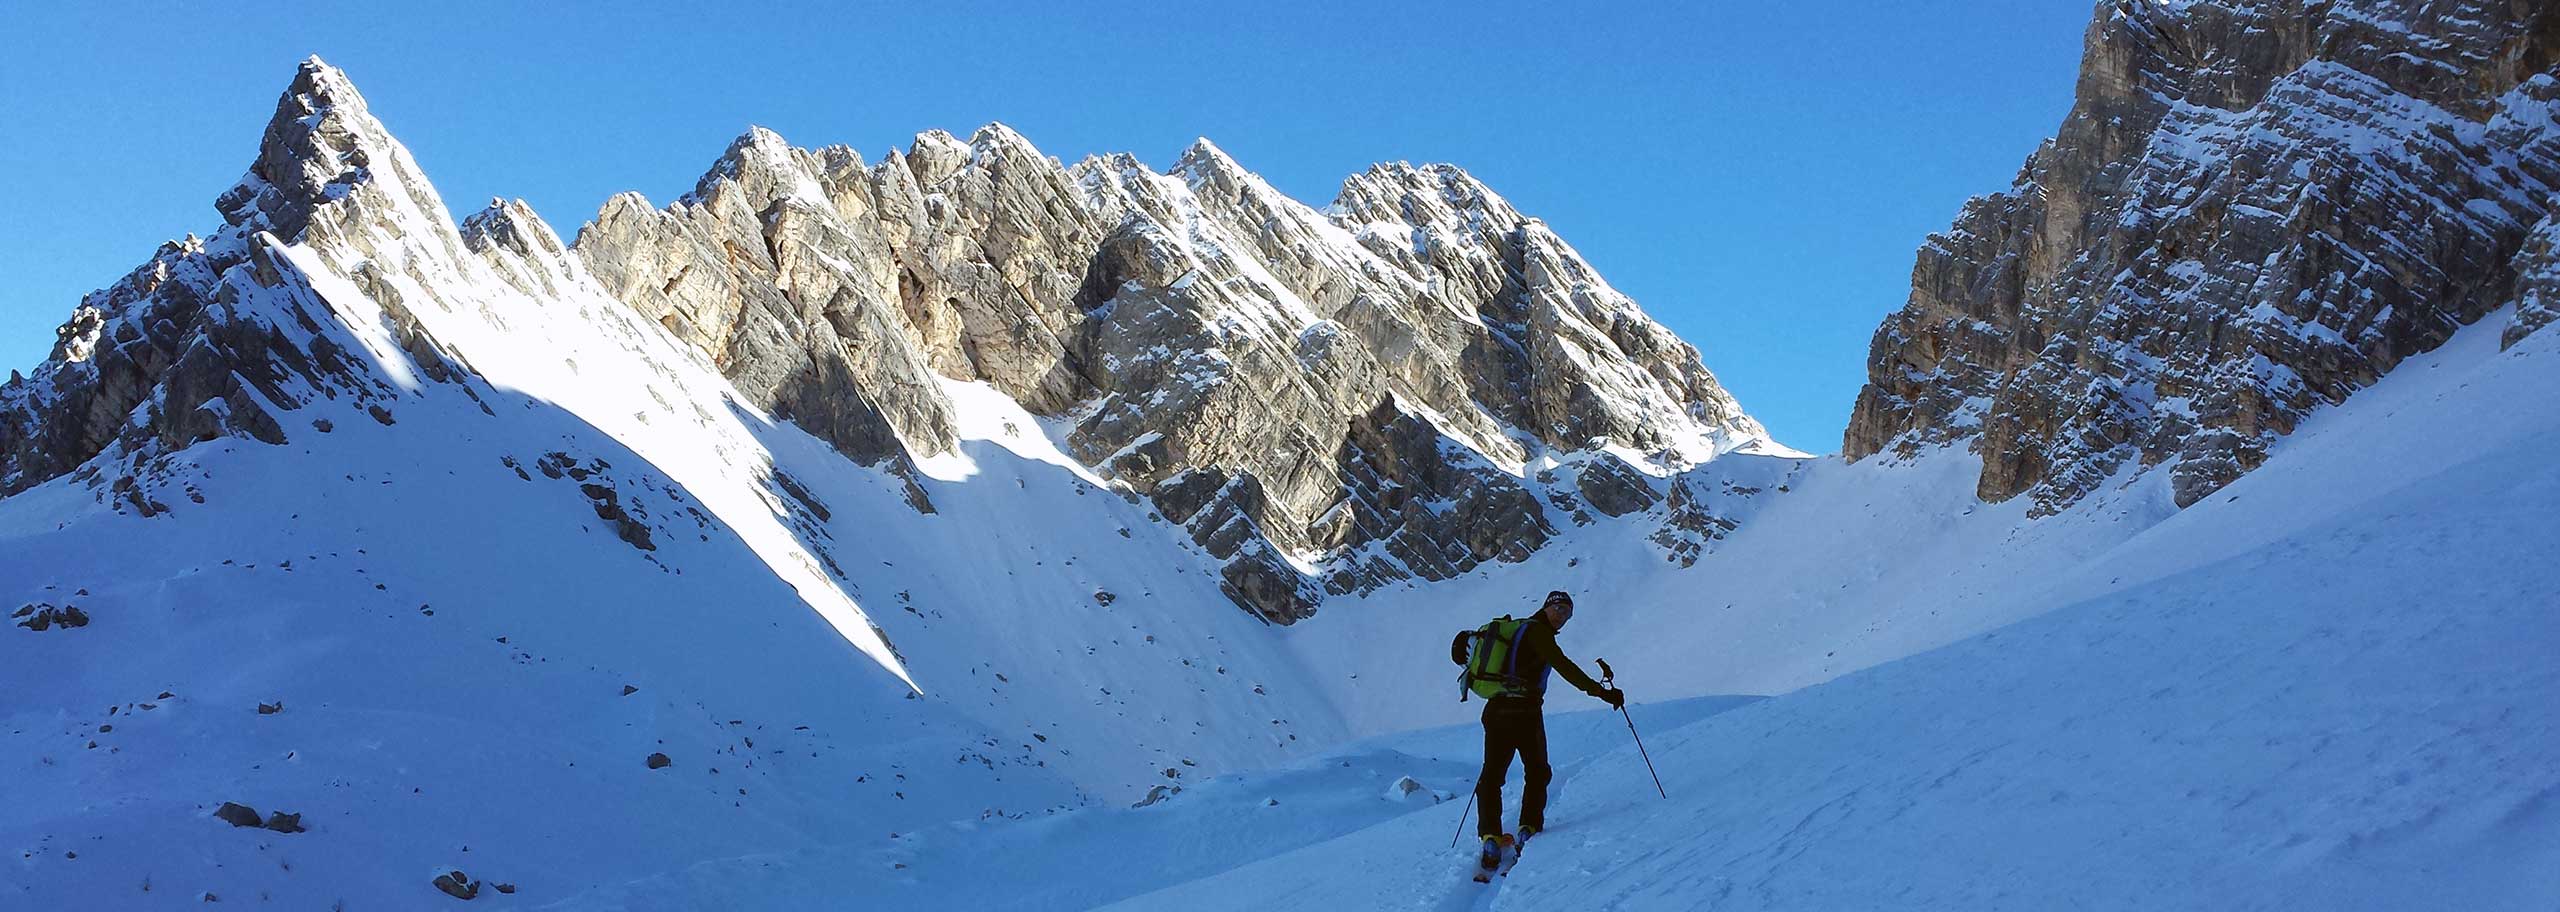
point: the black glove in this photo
(1616, 698)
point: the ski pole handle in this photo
(1607, 677)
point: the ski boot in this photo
(1491, 857)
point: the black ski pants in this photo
(1513, 725)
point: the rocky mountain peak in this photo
(996, 137)
(759, 169)
(321, 142)
(226, 335)
(1440, 196)
(934, 156)
(511, 224)
(1203, 158)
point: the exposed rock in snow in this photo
(2537, 268)
(235, 814)
(2255, 208)
(45, 617)
(457, 885)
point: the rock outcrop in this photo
(2537, 268)
(2255, 207)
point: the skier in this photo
(1507, 663)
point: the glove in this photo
(1616, 698)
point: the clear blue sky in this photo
(1757, 175)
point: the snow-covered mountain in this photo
(772, 518)
(872, 532)
(494, 540)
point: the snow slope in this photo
(1097, 856)
(2329, 687)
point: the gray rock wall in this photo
(2255, 207)
(1355, 390)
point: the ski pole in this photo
(1609, 678)
(1462, 819)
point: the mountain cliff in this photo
(2254, 209)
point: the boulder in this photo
(457, 885)
(239, 815)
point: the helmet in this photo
(1560, 603)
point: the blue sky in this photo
(1757, 175)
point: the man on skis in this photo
(1507, 662)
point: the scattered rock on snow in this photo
(47, 616)
(457, 885)
(1156, 794)
(659, 761)
(269, 709)
(239, 815)
(282, 822)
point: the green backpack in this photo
(1491, 656)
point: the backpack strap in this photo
(1479, 662)
(1470, 650)
(1511, 658)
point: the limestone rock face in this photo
(772, 267)
(2537, 268)
(1326, 401)
(2254, 208)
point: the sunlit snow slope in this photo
(2330, 687)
